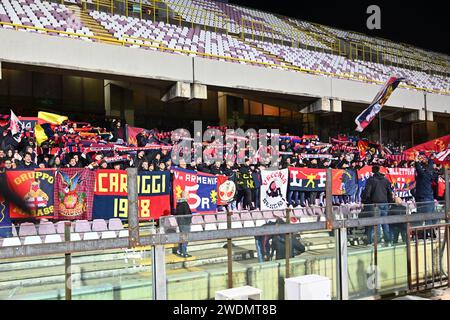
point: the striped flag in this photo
(442, 155)
(15, 126)
(366, 117)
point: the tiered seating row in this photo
(49, 232)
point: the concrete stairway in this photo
(267, 53)
(94, 26)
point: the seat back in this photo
(82, 226)
(115, 224)
(27, 229)
(99, 225)
(45, 228)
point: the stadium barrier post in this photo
(133, 207)
(341, 262)
(447, 218)
(229, 252)
(408, 249)
(126, 8)
(329, 200)
(154, 10)
(140, 12)
(67, 264)
(288, 245)
(159, 281)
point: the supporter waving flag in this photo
(366, 117)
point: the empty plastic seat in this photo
(75, 237)
(99, 225)
(27, 229)
(108, 235)
(91, 236)
(52, 238)
(45, 228)
(82, 226)
(197, 219)
(32, 240)
(196, 227)
(123, 233)
(210, 226)
(60, 227)
(268, 215)
(115, 224)
(11, 242)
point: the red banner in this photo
(36, 188)
(74, 193)
(111, 194)
(436, 145)
(403, 180)
(306, 179)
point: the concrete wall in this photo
(58, 52)
(72, 54)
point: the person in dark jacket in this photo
(378, 193)
(27, 164)
(263, 245)
(425, 175)
(279, 245)
(398, 228)
(184, 221)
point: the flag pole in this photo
(379, 124)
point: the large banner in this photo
(201, 187)
(365, 173)
(36, 188)
(403, 180)
(345, 182)
(74, 193)
(273, 189)
(305, 179)
(111, 194)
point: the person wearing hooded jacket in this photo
(378, 193)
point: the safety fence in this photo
(324, 239)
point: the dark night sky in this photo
(425, 24)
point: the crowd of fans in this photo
(71, 145)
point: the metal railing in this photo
(336, 219)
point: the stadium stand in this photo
(235, 34)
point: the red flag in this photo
(437, 145)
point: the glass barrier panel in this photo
(32, 278)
